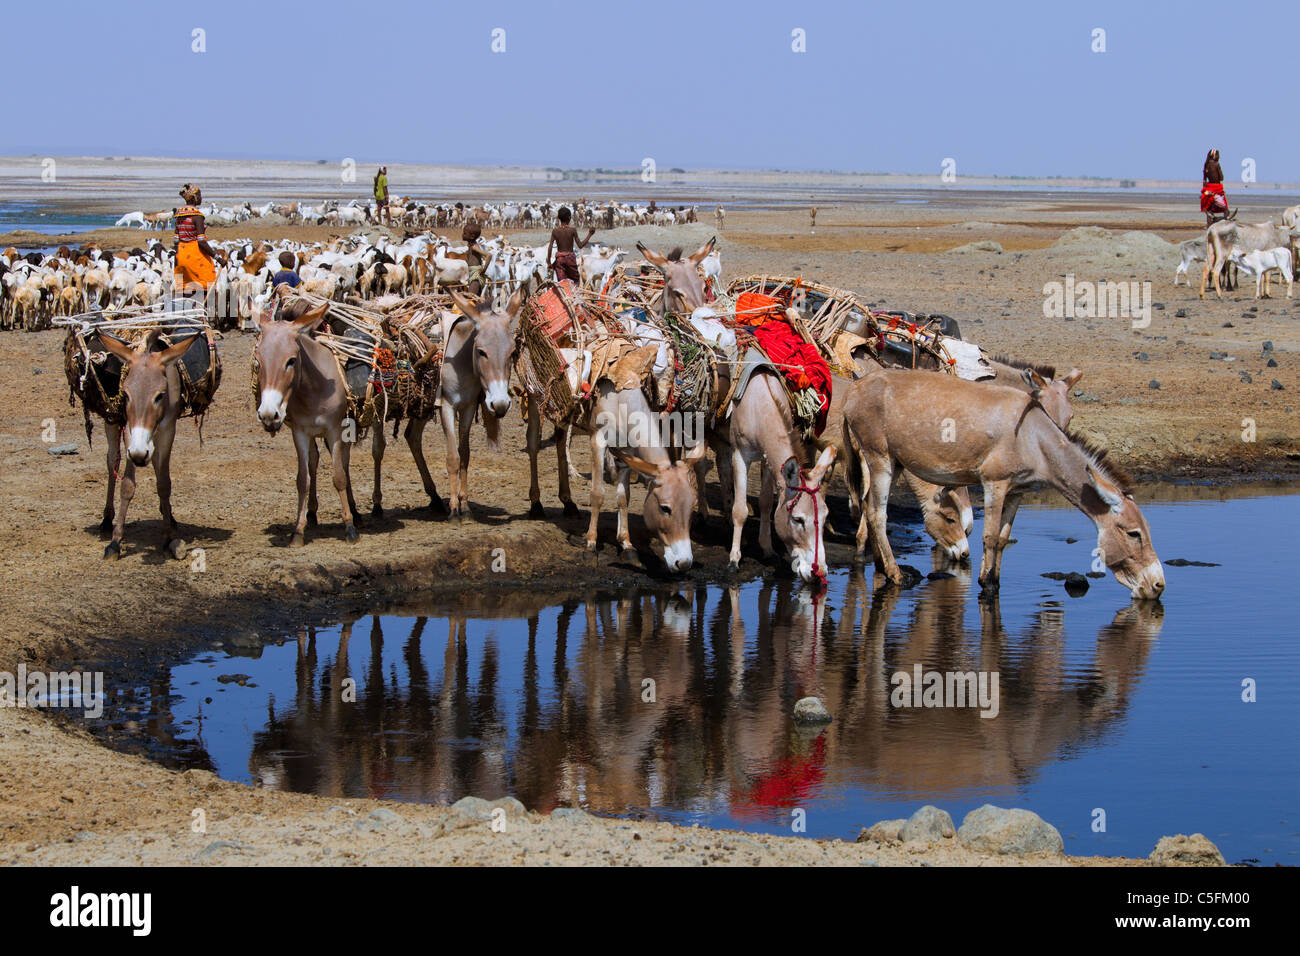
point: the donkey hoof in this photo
(113, 551)
(311, 519)
(377, 512)
(590, 544)
(297, 541)
(176, 548)
(437, 507)
(628, 554)
(350, 532)
(733, 566)
(537, 512)
(571, 510)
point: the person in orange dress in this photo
(196, 267)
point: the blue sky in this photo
(1003, 88)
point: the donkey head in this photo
(801, 515)
(683, 285)
(669, 503)
(1053, 394)
(949, 521)
(144, 385)
(494, 343)
(1123, 536)
(277, 362)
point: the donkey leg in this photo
(415, 441)
(313, 506)
(466, 424)
(739, 506)
(766, 502)
(453, 459)
(881, 479)
(114, 549)
(534, 417)
(162, 469)
(859, 495)
(113, 435)
(377, 445)
(340, 454)
(623, 491)
(597, 484)
(1009, 506)
(995, 493)
(308, 458)
(562, 437)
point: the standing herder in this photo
(381, 196)
(475, 255)
(1214, 202)
(196, 267)
(812, 221)
(719, 215)
(564, 241)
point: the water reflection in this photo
(682, 700)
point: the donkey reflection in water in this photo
(1003, 440)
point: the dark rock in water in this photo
(1076, 585)
(1154, 385)
(1096, 574)
(1272, 363)
(1277, 386)
(1071, 540)
(939, 575)
(1055, 575)
(63, 450)
(1245, 376)
(240, 679)
(1184, 563)
(911, 576)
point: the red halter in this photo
(802, 489)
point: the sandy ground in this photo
(66, 799)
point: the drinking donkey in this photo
(1003, 440)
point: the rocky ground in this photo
(1177, 398)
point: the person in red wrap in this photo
(1214, 203)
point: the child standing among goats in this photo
(564, 242)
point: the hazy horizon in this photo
(1008, 91)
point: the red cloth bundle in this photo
(802, 364)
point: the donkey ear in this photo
(1072, 379)
(516, 303)
(702, 253)
(173, 352)
(639, 465)
(467, 308)
(1035, 381)
(824, 462)
(118, 348)
(311, 317)
(652, 257)
(150, 341)
(790, 472)
(1106, 491)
